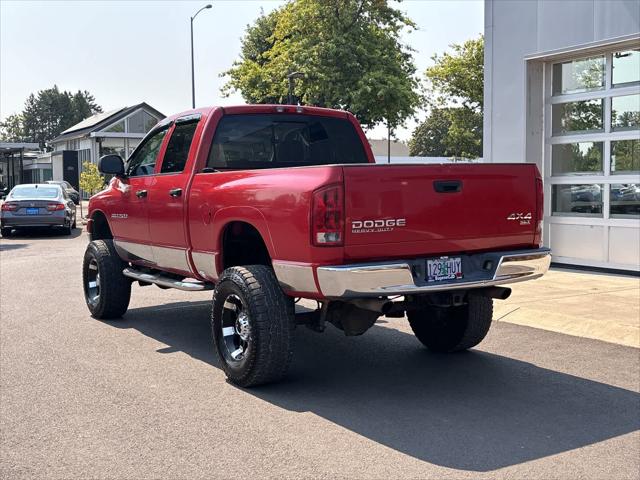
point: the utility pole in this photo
(388, 142)
(193, 80)
(291, 77)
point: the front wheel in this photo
(6, 231)
(106, 290)
(452, 329)
(252, 323)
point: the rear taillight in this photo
(9, 207)
(327, 216)
(52, 207)
(537, 239)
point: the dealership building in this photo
(562, 90)
(117, 131)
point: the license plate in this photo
(444, 268)
(33, 211)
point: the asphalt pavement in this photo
(144, 397)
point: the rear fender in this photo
(249, 215)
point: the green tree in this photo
(91, 180)
(448, 132)
(458, 77)
(349, 50)
(48, 113)
(12, 129)
(455, 100)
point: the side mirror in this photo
(112, 165)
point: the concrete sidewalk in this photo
(584, 304)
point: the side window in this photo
(175, 156)
(143, 160)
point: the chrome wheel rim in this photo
(235, 329)
(93, 282)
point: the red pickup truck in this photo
(264, 204)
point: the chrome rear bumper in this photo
(399, 278)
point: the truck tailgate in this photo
(407, 210)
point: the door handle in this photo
(141, 193)
(175, 192)
(447, 186)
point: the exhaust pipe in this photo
(501, 293)
(382, 306)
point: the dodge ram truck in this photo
(266, 204)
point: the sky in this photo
(125, 53)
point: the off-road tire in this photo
(114, 287)
(6, 232)
(453, 329)
(271, 319)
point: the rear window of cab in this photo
(279, 140)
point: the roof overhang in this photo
(104, 134)
(11, 147)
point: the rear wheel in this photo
(252, 323)
(452, 329)
(107, 291)
(6, 231)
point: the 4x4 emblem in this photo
(523, 218)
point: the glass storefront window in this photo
(625, 112)
(577, 200)
(581, 116)
(576, 158)
(624, 200)
(626, 67)
(625, 156)
(577, 76)
(113, 146)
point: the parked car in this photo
(265, 204)
(37, 205)
(72, 192)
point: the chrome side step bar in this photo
(164, 280)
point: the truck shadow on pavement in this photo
(472, 411)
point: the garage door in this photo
(592, 159)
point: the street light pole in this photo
(193, 80)
(291, 77)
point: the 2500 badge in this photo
(377, 225)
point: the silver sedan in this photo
(37, 205)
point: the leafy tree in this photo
(12, 129)
(448, 132)
(458, 77)
(91, 180)
(47, 114)
(349, 51)
(453, 127)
